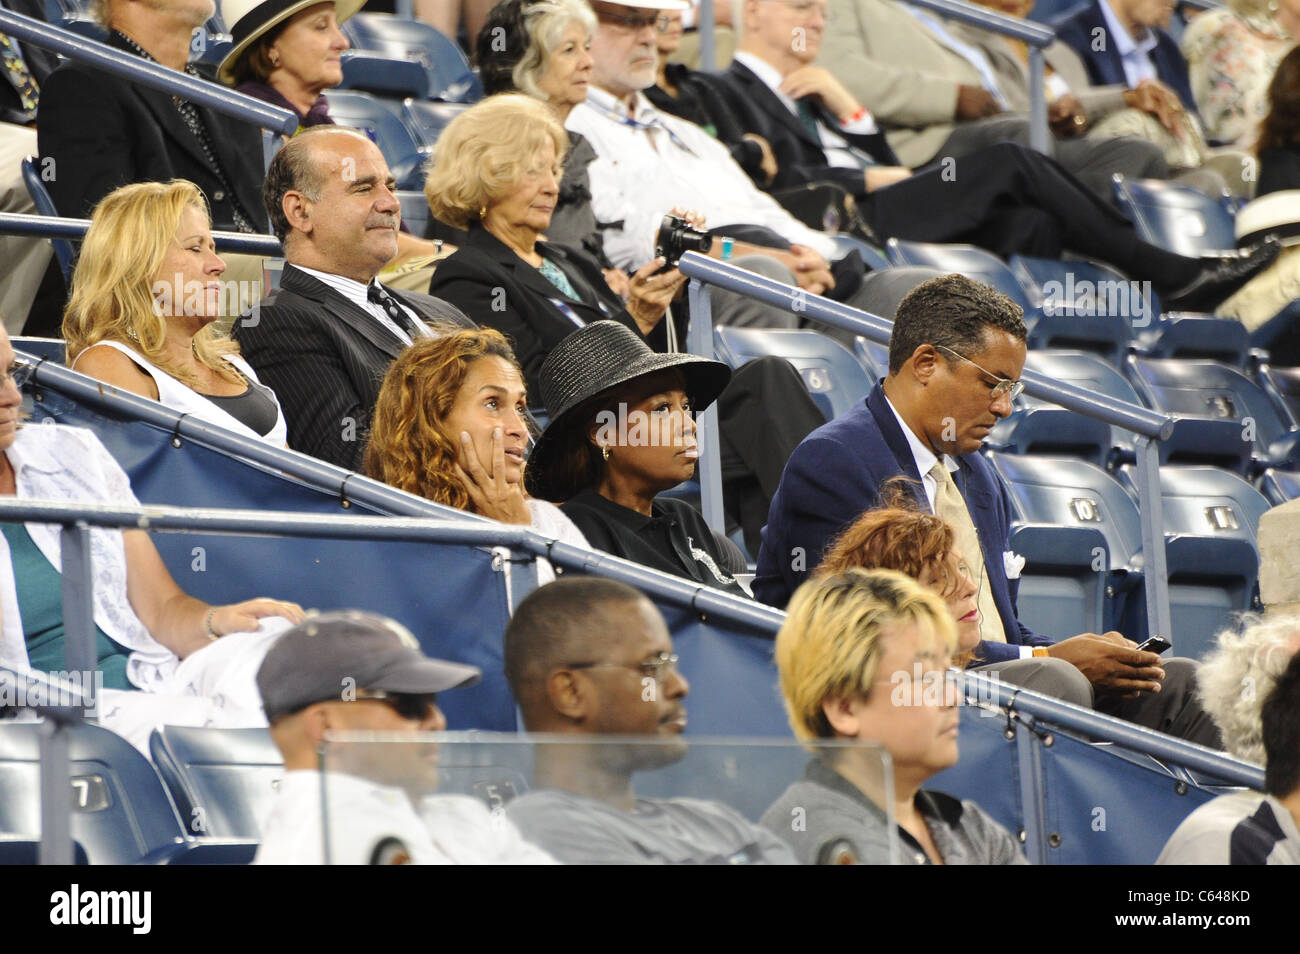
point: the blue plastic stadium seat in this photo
(1282, 385)
(1279, 486)
(375, 73)
(52, 349)
(449, 72)
(1107, 335)
(415, 212)
(121, 813)
(380, 121)
(45, 206)
(873, 257)
(222, 780)
(1211, 525)
(1226, 419)
(1084, 290)
(1085, 370)
(75, 16)
(427, 120)
(27, 851)
(1176, 217)
(873, 357)
(1072, 495)
(833, 376)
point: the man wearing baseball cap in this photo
(356, 671)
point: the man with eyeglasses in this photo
(592, 657)
(353, 671)
(955, 358)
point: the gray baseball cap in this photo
(327, 653)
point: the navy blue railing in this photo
(57, 227)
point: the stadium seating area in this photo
(1234, 451)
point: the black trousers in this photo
(1011, 200)
(763, 414)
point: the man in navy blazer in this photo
(1104, 33)
(956, 352)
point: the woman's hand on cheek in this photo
(492, 495)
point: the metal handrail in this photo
(1035, 35)
(154, 75)
(58, 227)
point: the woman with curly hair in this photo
(451, 425)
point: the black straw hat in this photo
(595, 358)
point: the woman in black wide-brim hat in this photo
(622, 431)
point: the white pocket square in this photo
(1012, 563)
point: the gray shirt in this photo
(1244, 828)
(824, 818)
(579, 830)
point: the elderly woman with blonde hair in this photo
(863, 656)
(495, 171)
(146, 300)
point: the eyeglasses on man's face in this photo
(1013, 389)
(656, 667)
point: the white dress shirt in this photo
(355, 292)
(839, 152)
(1135, 54)
(924, 457)
(650, 162)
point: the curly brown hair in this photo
(896, 537)
(409, 446)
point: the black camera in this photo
(677, 237)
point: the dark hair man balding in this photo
(590, 656)
(325, 338)
(955, 357)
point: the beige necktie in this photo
(951, 508)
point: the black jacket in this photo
(498, 289)
(103, 132)
(325, 359)
(799, 156)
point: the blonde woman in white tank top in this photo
(145, 294)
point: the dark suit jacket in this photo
(325, 359)
(798, 154)
(1105, 66)
(498, 289)
(103, 132)
(836, 474)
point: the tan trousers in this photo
(23, 260)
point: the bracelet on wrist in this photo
(207, 624)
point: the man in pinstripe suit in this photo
(325, 338)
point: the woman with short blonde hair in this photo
(145, 302)
(485, 153)
(863, 656)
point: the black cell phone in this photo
(1156, 644)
